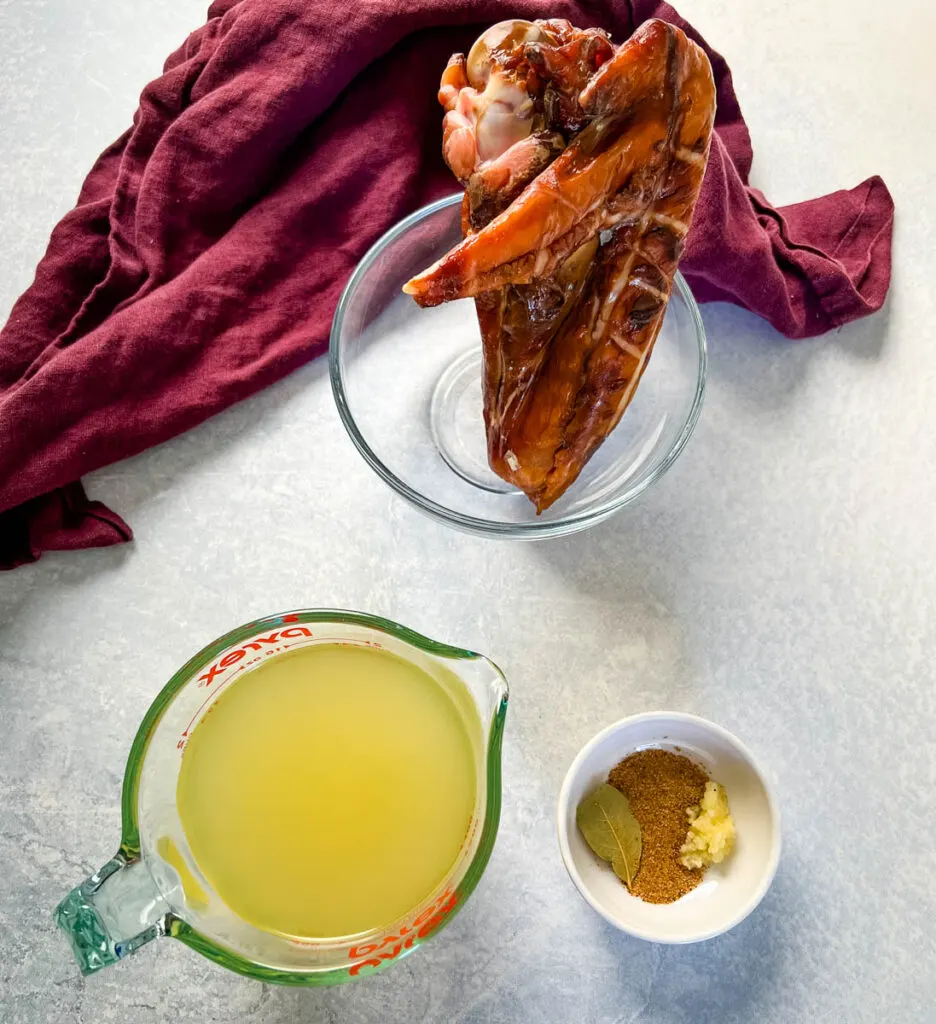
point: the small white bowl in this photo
(730, 890)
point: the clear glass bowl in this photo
(407, 382)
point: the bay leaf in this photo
(623, 869)
(608, 825)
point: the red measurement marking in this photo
(350, 643)
(207, 700)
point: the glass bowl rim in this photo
(460, 520)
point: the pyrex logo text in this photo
(233, 657)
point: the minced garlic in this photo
(711, 830)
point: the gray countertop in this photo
(781, 580)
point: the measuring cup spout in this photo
(112, 913)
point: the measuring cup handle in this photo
(112, 913)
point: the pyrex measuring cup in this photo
(153, 887)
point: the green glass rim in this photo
(130, 831)
(462, 520)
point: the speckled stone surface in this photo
(781, 580)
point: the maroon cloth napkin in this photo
(211, 241)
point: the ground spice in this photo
(661, 786)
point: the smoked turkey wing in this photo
(511, 107)
(593, 240)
